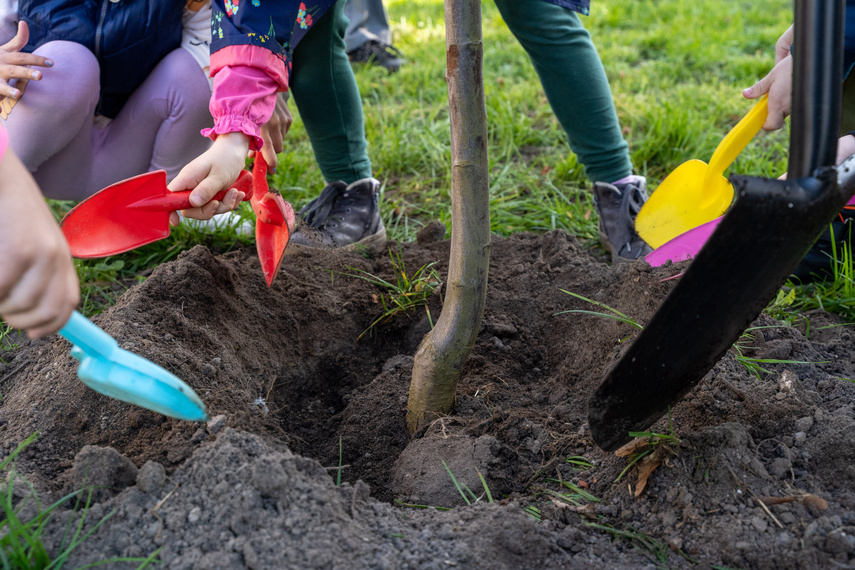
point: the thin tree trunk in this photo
(444, 350)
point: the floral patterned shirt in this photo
(251, 47)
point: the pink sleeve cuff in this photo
(225, 124)
(246, 80)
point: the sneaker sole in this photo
(375, 242)
(604, 241)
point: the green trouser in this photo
(575, 83)
(327, 97)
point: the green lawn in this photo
(677, 70)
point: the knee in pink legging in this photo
(53, 128)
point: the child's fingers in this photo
(24, 59)
(20, 40)
(7, 90)
(19, 72)
(205, 212)
(269, 156)
(774, 120)
(230, 201)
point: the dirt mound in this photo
(300, 403)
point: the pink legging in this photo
(52, 127)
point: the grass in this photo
(406, 293)
(835, 295)
(468, 496)
(612, 314)
(641, 541)
(676, 95)
(7, 341)
(755, 365)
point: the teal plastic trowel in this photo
(123, 375)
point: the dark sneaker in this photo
(618, 205)
(818, 263)
(376, 53)
(343, 216)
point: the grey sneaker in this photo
(376, 53)
(618, 205)
(343, 216)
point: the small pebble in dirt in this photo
(780, 467)
(804, 424)
(787, 518)
(799, 437)
(759, 523)
(217, 423)
(151, 478)
(208, 371)
(840, 541)
(194, 515)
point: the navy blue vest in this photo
(129, 37)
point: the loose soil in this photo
(306, 462)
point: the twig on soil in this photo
(755, 497)
(441, 421)
(14, 371)
(768, 512)
(157, 506)
(586, 510)
(739, 393)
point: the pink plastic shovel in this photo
(684, 246)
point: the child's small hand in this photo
(13, 63)
(214, 170)
(778, 84)
(273, 133)
(38, 282)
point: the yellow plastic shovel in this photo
(695, 193)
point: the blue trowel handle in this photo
(82, 333)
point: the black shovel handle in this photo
(817, 75)
(755, 247)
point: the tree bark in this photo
(443, 351)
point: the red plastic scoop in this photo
(274, 224)
(135, 212)
(129, 214)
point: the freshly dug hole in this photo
(284, 364)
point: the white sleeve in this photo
(196, 37)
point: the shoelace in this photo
(635, 200)
(316, 212)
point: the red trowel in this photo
(135, 212)
(274, 221)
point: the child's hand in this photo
(273, 133)
(214, 170)
(13, 63)
(38, 282)
(778, 83)
(845, 147)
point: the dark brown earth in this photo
(296, 399)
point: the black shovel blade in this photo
(755, 248)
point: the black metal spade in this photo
(750, 255)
